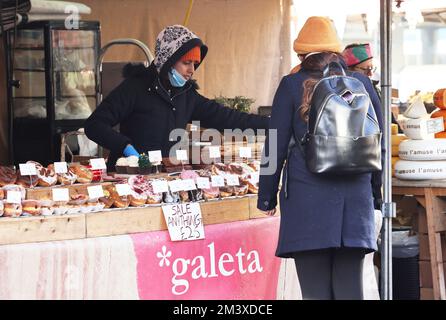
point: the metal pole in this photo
(388, 208)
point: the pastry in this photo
(47, 207)
(31, 207)
(12, 210)
(84, 175)
(27, 181)
(47, 177)
(2, 194)
(67, 178)
(7, 176)
(106, 200)
(2, 208)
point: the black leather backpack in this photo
(343, 135)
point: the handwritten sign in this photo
(60, 167)
(189, 184)
(123, 189)
(155, 156)
(14, 197)
(98, 164)
(203, 183)
(160, 186)
(217, 181)
(95, 192)
(182, 155)
(28, 169)
(184, 221)
(176, 185)
(245, 152)
(232, 180)
(61, 194)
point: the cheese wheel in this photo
(394, 128)
(440, 98)
(420, 170)
(395, 151)
(440, 135)
(433, 149)
(397, 139)
(394, 160)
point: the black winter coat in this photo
(147, 112)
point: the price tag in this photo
(60, 167)
(255, 178)
(98, 164)
(435, 125)
(14, 197)
(245, 152)
(232, 180)
(123, 189)
(155, 156)
(182, 155)
(176, 185)
(160, 186)
(95, 192)
(184, 221)
(28, 169)
(189, 184)
(61, 194)
(203, 183)
(214, 152)
(217, 181)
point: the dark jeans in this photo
(330, 274)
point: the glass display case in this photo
(52, 85)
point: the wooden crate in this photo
(424, 246)
(37, 229)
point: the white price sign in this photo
(123, 189)
(203, 183)
(155, 156)
(160, 186)
(189, 184)
(214, 152)
(14, 197)
(176, 185)
(245, 152)
(217, 181)
(98, 164)
(184, 221)
(61, 194)
(232, 180)
(95, 192)
(60, 167)
(254, 178)
(182, 155)
(28, 169)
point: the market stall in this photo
(124, 251)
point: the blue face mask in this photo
(176, 79)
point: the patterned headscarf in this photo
(356, 53)
(172, 43)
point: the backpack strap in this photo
(291, 145)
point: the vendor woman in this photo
(153, 101)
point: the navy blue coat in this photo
(320, 211)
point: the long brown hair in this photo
(315, 65)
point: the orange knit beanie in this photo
(192, 55)
(317, 34)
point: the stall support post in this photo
(388, 207)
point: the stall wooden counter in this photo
(431, 195)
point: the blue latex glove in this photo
(130, 151)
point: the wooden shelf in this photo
(116, 221)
